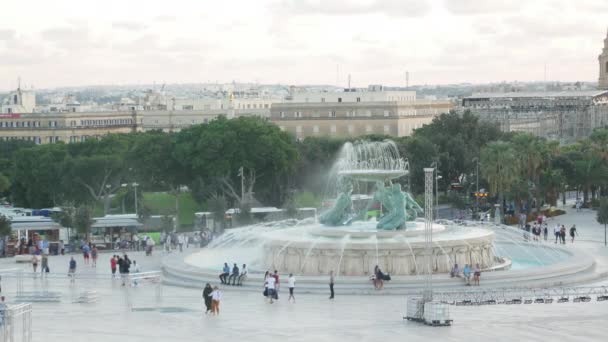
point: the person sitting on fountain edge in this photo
(455, 272)
(234, 276)
(225, 273)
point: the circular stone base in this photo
(355, 252)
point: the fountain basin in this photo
(355, 252)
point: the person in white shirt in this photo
(243, 275)
(292, 284)
(270, 286)
(216, 297)
(180, 242)
(556, 232)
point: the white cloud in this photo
(300, 41)
(129, 25)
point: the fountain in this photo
(376, 238)
(376, 227)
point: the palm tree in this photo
(532, 152)
(500, 167)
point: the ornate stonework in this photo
(603, 59)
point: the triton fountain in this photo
(378, 225)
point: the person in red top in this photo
(113, 265)
(276, 280)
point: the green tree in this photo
(499, 165)
(166, 223)
(218, 205)
(37, 176)
(5, 227)
(83, 221)
(219, 149)
(5, 183)
(602, 215)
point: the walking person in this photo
(135, 270)
(331, 284)
(180, 242)
(466, 273)
(556, 230)
(476, 274)
(35, 263)
(124, 272)
(85, 253)
(266, 275)
(207, 297)
(545, 231)
(277, 284)
(270, 286)
(113, 262)
(291, 283)
(216, 297)
(573, 232)
(94, 255)
(562, 233)
(44, 265)
(72, 270)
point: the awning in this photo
(35, 225)
(116, 222)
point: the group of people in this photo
(124, 265)
(212, 297)
(173, 241)
(466, 273)
(541, 227)
(378, 278)
(89, 251)
(560, 233)
(236, 277)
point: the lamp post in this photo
(437, 178)
(476, 160)
(134, 185)
(106, 199)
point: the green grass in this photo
(161, 203)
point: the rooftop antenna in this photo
(19, 82)
(348, 81)
(407, 79)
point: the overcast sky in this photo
(73, 42)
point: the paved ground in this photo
(246, 316)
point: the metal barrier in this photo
(522, 295)
(12, 317)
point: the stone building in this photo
(603, 59)
(355, 113)
(564, 115)
(44, 128)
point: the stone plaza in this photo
(135, 314)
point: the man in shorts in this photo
(270, 285)
(291, 283)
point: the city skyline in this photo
(299, 42)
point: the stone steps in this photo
(178, 273)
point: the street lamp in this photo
(106, 197)
(134, 185)
(476, 160)
(437, 178)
